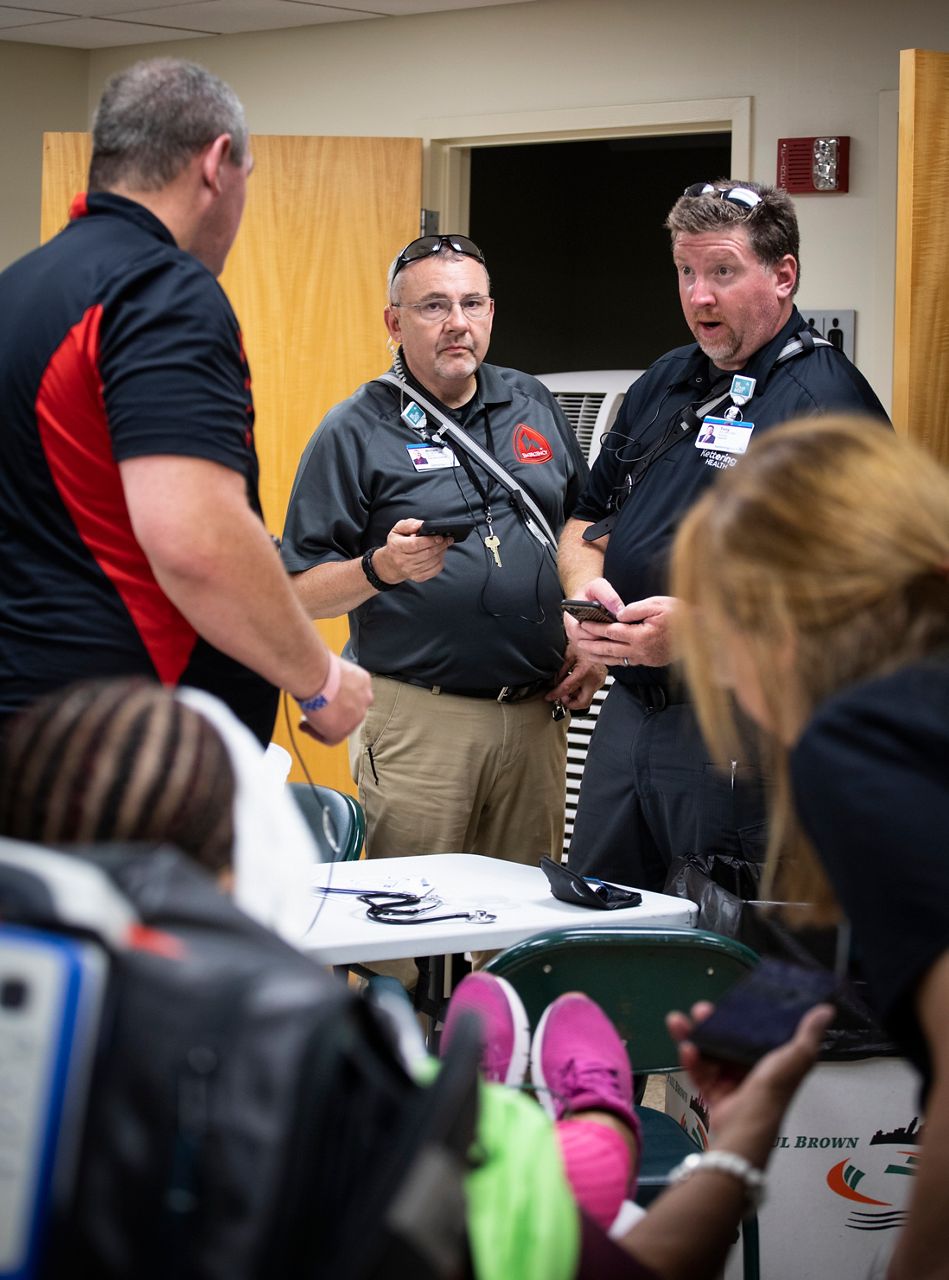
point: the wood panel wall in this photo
(921, 321)
(324, 217)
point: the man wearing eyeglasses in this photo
(465, 746)
(649, 792)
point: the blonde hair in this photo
(825, 553)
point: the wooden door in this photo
(921, 321)
(324, 217)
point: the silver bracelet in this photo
(725, 1162)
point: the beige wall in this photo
(808, 68)
(40, 89)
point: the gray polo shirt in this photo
(474, 625)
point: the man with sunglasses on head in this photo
(649, 793)
(464, 749)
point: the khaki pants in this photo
(443, 774)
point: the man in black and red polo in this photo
(132, 540)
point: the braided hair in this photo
(118, 760)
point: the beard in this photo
(721, 344)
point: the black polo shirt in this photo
(114, 344)
(822, 380)
(871, 787)
(474, 625)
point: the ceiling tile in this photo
(93, 33)
(102, 24)
(228, 17)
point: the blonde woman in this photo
(815, 578)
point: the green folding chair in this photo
(335, 818)
(636, 976)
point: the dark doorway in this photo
(579, 258)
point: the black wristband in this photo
(373, 577)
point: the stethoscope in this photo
(395, 906)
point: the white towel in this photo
(274, 852)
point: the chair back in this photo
(635, 975)
(335, 818)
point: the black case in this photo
(567, 886)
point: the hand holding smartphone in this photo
(587, 611)
(457, 530)
(761, 1011)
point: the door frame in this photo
(446, 164)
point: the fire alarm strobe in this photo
(814, 165)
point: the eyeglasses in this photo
(476, 307)
(426, 246)
(744, 197)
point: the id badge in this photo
(431, 457)
(724, 435)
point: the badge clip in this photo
(414, 416)
(742, 389)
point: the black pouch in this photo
(567, 886)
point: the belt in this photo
(504, 693)
(655, 697)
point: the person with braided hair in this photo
(133, 761)
(125, 760)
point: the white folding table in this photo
(517, 897)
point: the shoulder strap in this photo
(803, 343)
(450, 431)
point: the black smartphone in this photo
(762, 1011)
(458, 530)
(587, 611)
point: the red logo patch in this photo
(530, 445)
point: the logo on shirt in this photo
(530, 445)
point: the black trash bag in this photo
(725, 889)
(720, 885)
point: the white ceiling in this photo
(100, 24)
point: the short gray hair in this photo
(153, 117)
(394, 276)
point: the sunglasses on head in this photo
(426, 246)
(744, 197)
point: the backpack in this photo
(245, 1114)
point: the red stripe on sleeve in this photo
(74, 433)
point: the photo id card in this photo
(724, 435)
(431, 457)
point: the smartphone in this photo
(458, 530)
(587, 611)
(762, 1011)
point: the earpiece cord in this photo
(302, 763)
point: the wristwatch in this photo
(725, 1162)
(369, 571)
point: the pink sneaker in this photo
(579, 1063)
(506, 1031)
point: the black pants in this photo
(650, 793)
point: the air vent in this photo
(590, 401)
(581, 409)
